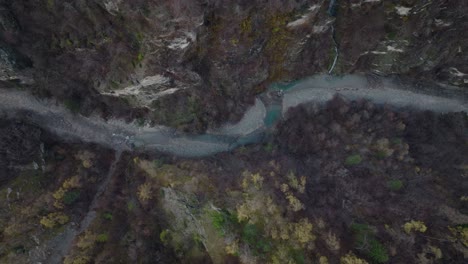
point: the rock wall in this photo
(195, 64)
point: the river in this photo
(268, 109)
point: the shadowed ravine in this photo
(269, 108)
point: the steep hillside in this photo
(195, 64)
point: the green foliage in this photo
(107, 216)
(130, 206)
(252, 236)
(164, 236)
(140, 57)
(114, 84)
(246, 25)
(139, 36)
(353, 160)
(198, 239)
(102, 238)
(71, 197)
(269, 147)
(72, 105)
(137, 61)
(381, 154)
(395, 185)
(223, 221)
(365, 241)
(298, 256)
(377, 252)
(360, 228)
(250, 233)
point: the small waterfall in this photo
(332, 8)
(336, 51)
(332, 11)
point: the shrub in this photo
(294, 204)
(353, 160)
(414, 226)
(246, 25)
(86, 241)
(365, 241)
(102, 238)
(297, 183)
(436, 251)
(107, 216)
(323, 260)
(87, 164)
(223, 220)
(252, 236)
(332, 242)
(395, 185)
(269, 147)
(164, 236)
(303, 231)
(72, 105)
(71, 197)
(198, 239)
(54, 219)
(130, 205)
(381, 154)
(144, 192)
(377, 252)
(233, 248)
(350, 258)
(360, 228)
(257, 180)
(298, 256)
(72, 182)
(461, 233)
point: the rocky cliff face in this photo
(194, 64)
